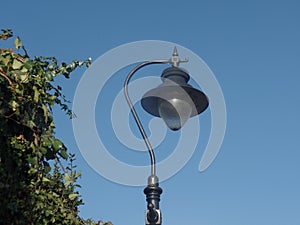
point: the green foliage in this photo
(35, 188)
(6, 34)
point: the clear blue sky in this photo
(253, 48)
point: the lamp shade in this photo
(175, 101)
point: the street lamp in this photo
(175, 101)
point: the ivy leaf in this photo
(46, 112)
(45, 179)
(6, 60)
(55, 195)
(6, 33)
(73, 196)
(43, 150)
(16, 64)
(28, 64)
(63, 153)
(67, 177)
(36, 94)
(57, 144)
(46, 141)
(29, 153)
(18, 43)
(14, 105)
(47, 167)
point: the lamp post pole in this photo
(152, 191)
(153, 104)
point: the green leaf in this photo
(14, 105)
(28, 64)
(43, 150)
(6, 60)
(34, 187)
(31, 124)
(45, 179)
(36, 94)
(55, 194)
(18, 43)
(50, 75)
(47, 167)
(67, 177)
(31, 160)
(24, 78)
(63, 153)
(46, 112)
(57, 144)
(6, 33)
(16, 64)
(73, 196)
(46, 142)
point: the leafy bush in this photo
(35, 186)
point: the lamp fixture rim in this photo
(197, 99)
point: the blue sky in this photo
(253, 49)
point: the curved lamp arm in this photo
(134, 113)
(152, 191)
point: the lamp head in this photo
(175, 101)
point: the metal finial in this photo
(175, 53)
(175, 60)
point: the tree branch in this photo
(3, 74)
